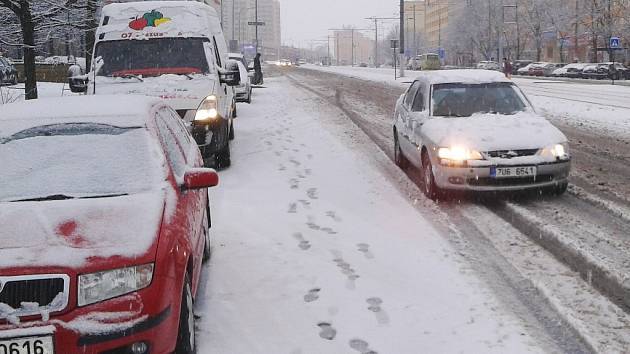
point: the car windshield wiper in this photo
(48, 197)
(65, 197)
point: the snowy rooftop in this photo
(122, 111)
(468, 76)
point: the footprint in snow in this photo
(327, 331)
(331, 214)
(308, 171)
(312, 193)
(361, 346)
(292, 208)
(312, 295)
(305, 203)
(278, 153)
(294, 183)
(304, 244)
(281, 168)
(375, 306)
(295, 162)
(365, 249)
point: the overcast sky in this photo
(304, 20)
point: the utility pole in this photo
(402, 37)
(376, 19)
(352, 34)
(577, 20)
(501, 22)
(256, 5)
(415, 41)
(233, 19)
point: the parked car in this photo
(519, 64)
(596, 71)
(191, 71)
(244, 89)
(617, 71)
(489, 65)
(574, 70)
(476, 131)
(525, 70)
(8, 73)
(557, 70)
(105, 224)
(541, 69)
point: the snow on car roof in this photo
(158, 19)
(465, 76)
(121, 111)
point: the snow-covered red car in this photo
(104, 226)
(475, 130)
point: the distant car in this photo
(244, 89)
(105, 224)
(285, 62)
(489, 65)
(541, 69)
(606, 71)
(517, 64)
(476, 131)
(555, 70)
(525, 70)
(8, 73)
(363, 65)
(575, 70)
(302, 62)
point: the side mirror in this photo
(232, 75)
(199, 178)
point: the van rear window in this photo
(152, 57)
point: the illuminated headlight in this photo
(100, 286)
(459, 154)
(558, 151)
(208, 109)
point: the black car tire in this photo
(249, 97)
(430, 189)
(231, 134)
(561, 188)
(186, 341)
(207, 251)
(400, 159)
(222, 157)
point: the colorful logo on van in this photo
(149, 19)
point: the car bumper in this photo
(479, 178)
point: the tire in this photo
(207, 251)
(222, 157)
(430, 189)
(249, 97)
(231, 134)
(400, 159)
(186, 341)
(561, 188)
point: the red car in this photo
(104, 226)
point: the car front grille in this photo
(28, 295)
(508, 154)
(507, 182)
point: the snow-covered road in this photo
(315, 251)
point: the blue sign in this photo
(441, 53)
(615, 42)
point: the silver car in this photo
(475, 130)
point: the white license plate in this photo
(27, 345)
(511, 172)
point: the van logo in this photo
(149, 19)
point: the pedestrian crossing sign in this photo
(614, 42)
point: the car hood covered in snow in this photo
(490, 132)
(180, 91)
(71, 233)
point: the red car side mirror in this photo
(198, 178)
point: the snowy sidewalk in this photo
(316, 252)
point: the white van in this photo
(174, 50)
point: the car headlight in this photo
(557, 151)
(100, 286)
(208, 109)
(459, 154)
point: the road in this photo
(586, 229)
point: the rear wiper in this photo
(49, 197)
(104, 196)
(130, 76)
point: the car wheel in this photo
(249, 97)
(231, 134)
(234, 114)
(431, 190)
(561, 188)
(400, 159)
(207, 251)
(222, 157)
(186, 341)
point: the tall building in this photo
(435, 23)
(414, 26)
(352, 47)
(241, 35)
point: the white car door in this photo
(419, 114)
(406, 124)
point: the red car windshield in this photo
(153, 57)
